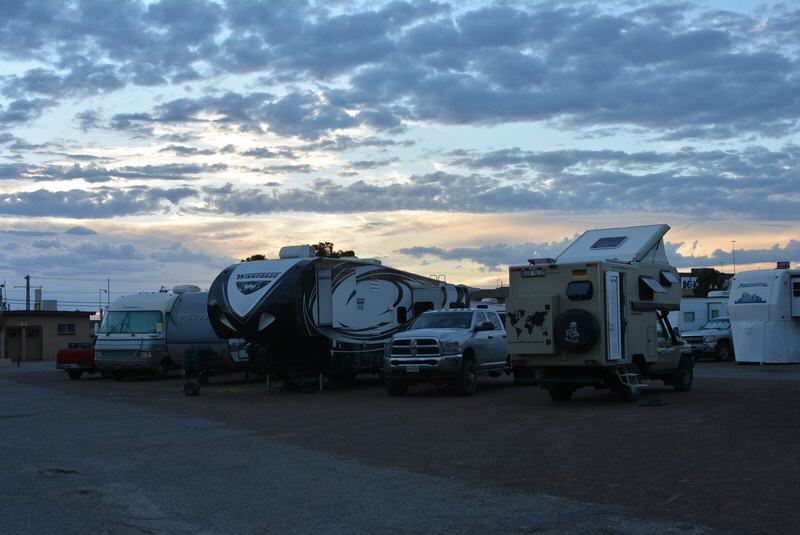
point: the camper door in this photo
(614, 330)
(794, 285)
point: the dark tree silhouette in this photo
(707, 280)
(254, 257)
(326, 249)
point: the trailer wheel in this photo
(560, 393)
(74, 374)
(466, 383)
(396, 388)
(682, 380)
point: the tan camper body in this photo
(597, 315)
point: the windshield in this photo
(131, 321)
(717, 324)
(444, 320)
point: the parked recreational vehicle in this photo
(765, 315)
(590, 317)
(150, 332)
(697, 311)
(307, 314)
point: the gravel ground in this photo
(136, 456)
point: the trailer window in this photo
(688, 317)
(131, 322)
(422, 306)
(402, 315)
(579, 290)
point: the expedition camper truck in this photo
(151, 333)
(305, 314)
(765, 315)
(591, 317)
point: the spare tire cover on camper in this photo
(577, 331)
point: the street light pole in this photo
(733, 253)
(100, 292)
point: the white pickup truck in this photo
(446, 347)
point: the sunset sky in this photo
(154, 143)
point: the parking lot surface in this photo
(136, 456)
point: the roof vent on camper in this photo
(185, 289)
(371, 261)
(296, 251)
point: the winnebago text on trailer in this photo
(765, 315)
(307, 314)
(151, 332)
(591, 317)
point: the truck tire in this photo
(396, 388)
(466, 383)
(682, 380)
(560, 393)
(577, 331)
(723, 351)
(74, 374)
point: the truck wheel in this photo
(684, 377)
(74, 374)
(723, 352)
(466, 382)
(396, 388)
(560, 393)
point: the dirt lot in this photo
(724, 455)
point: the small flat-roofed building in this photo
(32, 335)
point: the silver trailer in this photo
(151, 332)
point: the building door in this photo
(13, 343)
(33, 343)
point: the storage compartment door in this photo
(613, 316)
(324, 298)
(716, 310)
(794, 286)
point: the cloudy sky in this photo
(153, 143)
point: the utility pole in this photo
(733, 253)
(27, 292)
(108, 291)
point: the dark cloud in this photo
(183, 150)
(96, 173)
(80, 231)
(676, 70)
(266, 152)
(28, 233)
(491, 256)
(99, 203)
(287, 169)
(496, 257)
(372, 164)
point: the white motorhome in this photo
(697, 311)
(151, 332)
(764, 309)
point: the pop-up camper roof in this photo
(625, 244)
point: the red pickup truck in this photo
(76, 360)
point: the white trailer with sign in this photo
(764, 309)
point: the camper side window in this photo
(579, 290)
(688, 317)
(402, 315)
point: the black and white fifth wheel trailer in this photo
(305, 314)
